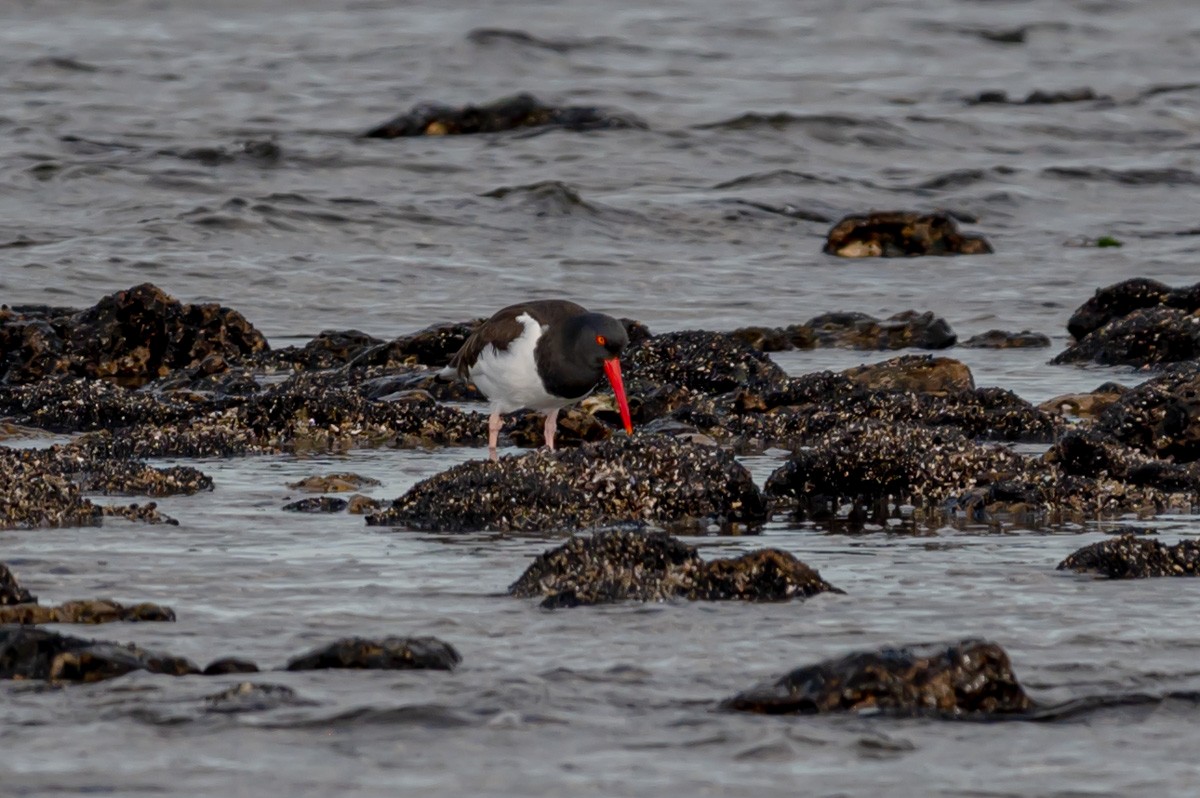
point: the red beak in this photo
(612, 369)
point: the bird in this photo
(543, 355)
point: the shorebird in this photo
(542, 355)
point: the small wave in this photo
(1127, 177)
(489, 37)
(776, 177)
(553, 198)
(830, 128)
(430, 716)
(63, 63)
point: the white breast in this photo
(509, 378)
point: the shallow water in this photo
(121, 162)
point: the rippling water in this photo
(123, 159)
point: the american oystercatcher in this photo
(543, 355)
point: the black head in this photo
(596, 338)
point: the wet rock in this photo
(1038, 97)
(1160, 417)
(75, 404)
(1143, 337)
(1000, 339)
(765, 339)
(916, 373)
(389, 653)
(577, 424)
(317, 504)
(11, 591)
(1085, 405)
(133, 336)
(31, 652)
(90, 611)
(900, 331)
(1120, 299)
(510, 113)
(618, 565)
(699, 360)
(657, 480)
(227, 665)
(967, 679)
(362, 505)
(250, 697)
(330, 349)
(334, 483)
(433, 346)
(894, 234)
(1132, 557)
(1092, 454)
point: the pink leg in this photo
(494, 425)
(551, 425)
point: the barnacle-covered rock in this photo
(657, 480)
(317, 504)
(1144, 337)
(389, 653)
(77, 404)
(87, 611)
(31, 652)
(509, 113)
(900, 331)
(896, 234)
(1133, 557)
(699, 360)
(134, 335)
(967, 679)
(1120, 299)
(915, 373)
(1161, 416)
(329, 349)
(621, 565)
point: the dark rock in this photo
(612, 566)
(1143, 337)
(343, 482)
(91, 611)
(1120, 299)
(764, 339)
(10, 591)
(226, 665)
(1132, 557)
(1160, 417)
(1038, 97)
(510, 113)
(389, 653)
(658, 480)
(1085, 405)
(1090, 453)
(893, 234)
(900, 331)
(31, 652)
(75, 404)
(432, 346)
(968, 679)
(317, 504)
(362, 505)
(1000, 339)
(133, 336)
(249, 697)
(700, 360)
(915, 373)
(330, 349)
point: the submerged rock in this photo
(510, 113)
(611, 566)
(899, 331)
(90, 611)
(1130, 556)
(1143, 337)
(968, 679)
(343, 482)
(227, 665)
(317, 504)
(389, 653)
(31, 652)
(895, 234)
(1038, 97)
(1000, 339)
(657, 480)
(250, 697)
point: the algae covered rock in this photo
(652, 479)
(389, 653)
(31, 652)
(899, 331)
(968, 679)
(1130, 556)
(621, 565)
(899, 234)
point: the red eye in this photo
(600, 339)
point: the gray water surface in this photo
(122, 161)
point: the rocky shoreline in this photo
(911, 440)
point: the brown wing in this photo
(503, 328)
